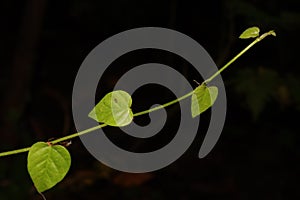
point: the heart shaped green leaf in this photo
(47, 165)
(252, 32)
(203, 98)
(114, 109)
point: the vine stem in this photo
(258, 39)
(164, 105)
(55, 141)
(68, 137)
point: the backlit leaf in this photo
(203, 98)
(47, 165)
(114, 109)
(252, 32)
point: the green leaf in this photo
(47, 164)
(113, 109)
(252, 32)
(203, 98)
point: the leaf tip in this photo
(92, 114)
(193, 115)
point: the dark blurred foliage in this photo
(43, 44)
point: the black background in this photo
(43, 43)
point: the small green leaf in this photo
(113, 109)
(203, 98)
(47, 165)
(252, 32)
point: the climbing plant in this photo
(49, 162)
